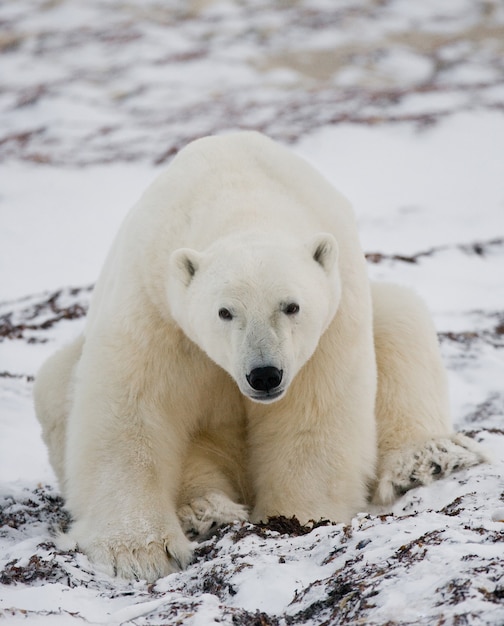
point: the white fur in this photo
(254, 276)
(153, 424)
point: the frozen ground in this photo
(401, 106)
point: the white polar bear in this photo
(235, 360)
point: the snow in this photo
(400, 105)
(419, 183)
(50, 216)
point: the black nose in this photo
(265, 378)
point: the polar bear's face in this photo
(257, 306)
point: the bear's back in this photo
(241, 181)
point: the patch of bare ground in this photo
(27, 318)
(335, 75)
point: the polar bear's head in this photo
(257, 305)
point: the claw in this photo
(172, 557)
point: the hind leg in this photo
(415, 434)
(52, 397)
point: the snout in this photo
(265, 381)
(265, 378)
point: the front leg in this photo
(124, 455)
(309, 462)
(214, 488)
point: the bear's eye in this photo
(225, 314)
(291, 309)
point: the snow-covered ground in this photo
(401, 106)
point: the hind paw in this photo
(203, 514)
(414, 466)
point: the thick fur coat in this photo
(237, 363)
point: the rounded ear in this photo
(324, 250)
(184, 264)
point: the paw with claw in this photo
(137, 552)
(203, 514)
(411, 467)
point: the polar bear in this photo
(237, 364)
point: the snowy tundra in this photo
(236, 363)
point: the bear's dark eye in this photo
(225, 314)
(291, 309)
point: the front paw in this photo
(147, 555)
(205, 513)
(418, 465)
